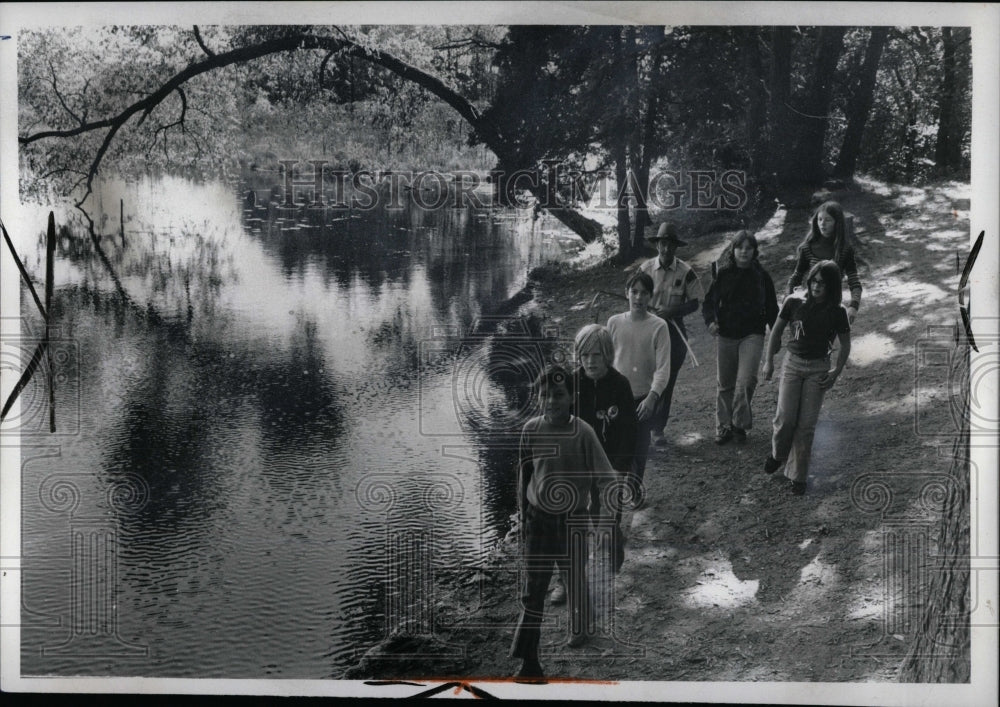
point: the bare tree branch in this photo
(55, 89)
(201, 43)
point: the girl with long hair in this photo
(740, 306)
(814, 323)
(827, 240)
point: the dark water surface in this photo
(254, 451)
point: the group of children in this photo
(583, 468)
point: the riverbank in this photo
(729, 577)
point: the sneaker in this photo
(724, 435)
(740, 435)
(558, 595)
(798, 487)
(771, 465)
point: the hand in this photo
(851, 314)
(768, 370)
(646, 407)
(713, 329)
(827, 380)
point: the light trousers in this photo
(799, 400)
(737, 364)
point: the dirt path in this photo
(728, 576)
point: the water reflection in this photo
(282, 373)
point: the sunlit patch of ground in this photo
(704, 259)
(717, 587)
(689, 439)
(773, 228)
(872, 348)
(896, 290)
(901, 324)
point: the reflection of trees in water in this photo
(186, 404)
(468, 260)
(177, 274)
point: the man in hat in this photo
(677, 291)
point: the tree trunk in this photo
(948, 150)
(861, 104)
(620, 154)
(940, 651)
(647, 149)
(813, 118)
(779, 121)
(757, 134)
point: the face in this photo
(743, 254)
(826, 223)
(638, 297)
(595, 366)
(666, 249)
(817, 288)
(555, 401)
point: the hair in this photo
(554, 375)
(840, 243)
(642, 278)
(595, 335)
(727, 259)
(829, 272)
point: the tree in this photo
(860, 105)
(948, 148)
(290, 39)
(813, 117)
(940, 651)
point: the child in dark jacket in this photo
(740, 306)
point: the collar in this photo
(661, 266)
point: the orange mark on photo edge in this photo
(462, 682)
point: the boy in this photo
(560, 458)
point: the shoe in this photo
(558, 595)
(740, 435)
(576, 640)
(798, 487)
(771, 465)
(659, 439)
(724, 435)
(530, 673)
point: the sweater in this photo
(560, 463)
(642, 352)
(742, 301)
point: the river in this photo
(265, 459)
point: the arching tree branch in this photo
(588, 229)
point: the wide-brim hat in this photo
(667, 232)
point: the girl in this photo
(827, 240)
(642, 353)
(740, 305)
(806, 375)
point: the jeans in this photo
(738, 360)
(549, 539)
(799, 400)
(678, 352)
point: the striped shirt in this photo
(847, 264)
